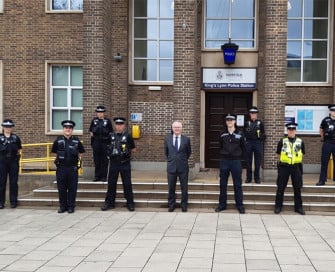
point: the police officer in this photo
(100, 129)
(327, 133)
(232, 150)
(255, 135)
(10, 150)
(290, 151)
(121, 147)
(68, 150)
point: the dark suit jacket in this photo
(177, 161)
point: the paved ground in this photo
(158, 241)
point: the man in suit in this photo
(177, 148)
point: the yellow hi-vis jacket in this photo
(291, 153)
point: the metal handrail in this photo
(47, 159)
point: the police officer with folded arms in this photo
(100, 129)
(10, 151)
(255, 135)
(290, 151)
(120, 150)
(69, 151)
(327, 133)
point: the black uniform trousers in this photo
(67, 184)
(327, 149)
(285, 171)
(100, 158)
(235, 168)
(172, 181)
(254, 151)
(9, 166)
(117, 167)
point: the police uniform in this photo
(328, 146)
(291, 151)
(10, 146)
(255, 134)
(68, 152)
(100, 128)
(232, 151)
(120, 146)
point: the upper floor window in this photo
(308, 25)
(234, 19)
(66, 96)
(1, 6)
(67, 5)
(152, 40)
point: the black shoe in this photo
(2, 206)
(131, 207)
(171, 209)
(300, 211)
(320, 183)
(103, 179)
(107, 207)
(219, 209)
(62, 210)
(184, 208)
(13, 205)
(257, 181)
(277, 210)
(248, 181)
(241, 210)
(70, 210)
(96, 179)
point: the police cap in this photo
(7, 123)
(100, 109)
(253, 109)
(230, 117)
(68, 123)
(119, 120)
(331, 107)
(291, 125)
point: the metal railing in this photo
(40, 159)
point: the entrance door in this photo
(217, 107)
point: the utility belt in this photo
(296, 165)
(329, 141)
(8, 155)
(99, 137)
(120, 159)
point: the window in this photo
(233, 19)
(308, 25)
(1, 6)
(66, 96)
(152, 45)
(67, 5)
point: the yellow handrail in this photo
(47, 159)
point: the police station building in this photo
(156, 61)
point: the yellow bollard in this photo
(330, 170)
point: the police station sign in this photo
(229, 78)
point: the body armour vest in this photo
(67, 151)
(119, 146)
(253, 130)
(329, 131)
(291, 152)
(100, 128)
(9, 145)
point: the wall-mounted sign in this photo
(136, 117)
(308, 117)
(229, 78)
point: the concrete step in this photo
(202, 195)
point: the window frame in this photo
(158, 58)
(302, 40)
(255, 38)
(49, 100)
(49, 9)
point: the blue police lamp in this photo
(229, 52)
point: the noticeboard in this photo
(308, 117)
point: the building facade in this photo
(156, 61)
